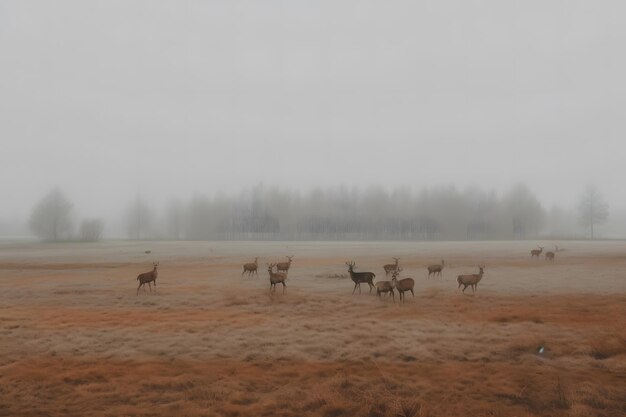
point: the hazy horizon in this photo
(170, 99)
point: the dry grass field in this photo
(75, 340)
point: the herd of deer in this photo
(382, 287)
(549, 254)
(405, 284)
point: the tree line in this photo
(342, 213)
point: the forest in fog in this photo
(357, 214)
(339, 213)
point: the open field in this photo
(75, 340)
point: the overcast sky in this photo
(170, 98)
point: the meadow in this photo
(538, 338)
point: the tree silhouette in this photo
(592, 209)
(50, 219)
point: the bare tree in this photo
(91, 230)
(174, 219)
(525, 211)
(138, 220)
(592, 209)
(51, 217)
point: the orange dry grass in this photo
(76, 341)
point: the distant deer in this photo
(470, 280)
(284, 266)
(405, 284)
(389, 268)
(383, 287)
(276, 278)
(359, 277)
(550, 254)
(536, 252)
(435, 269)
(251, 268)
(147, 278)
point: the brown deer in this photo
(147, 278)
(276, 278)
(536, 252)
(284, 266)
(389, 268)
(550, 254)
(470, 280)
(359, 277)
(435, 269)
(383, 287)
(251, 268)
(405, 284)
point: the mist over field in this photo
(329, 208)
(173, 101)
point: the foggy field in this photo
(77, 341)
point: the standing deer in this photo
(435, 269)
(536, 252)
(276, 278)
(359, 277)
(148, 277)
(251, 268)
(389, 268)
(470, 280)
(405, 284)
(284, 266)
(383, 287)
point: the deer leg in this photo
(284, 286)
(355, 284)
(138, 288)
(412, 293)
(150, 286)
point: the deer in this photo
(389, 268)
(276, 278)
(383, 287)
(536, 252)
(284, 266)
(550, 254)
(359, 277)
(147, 278)
(405, 284)
(251, 268)
(470, 280)
(435, 269)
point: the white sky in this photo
(171, 98)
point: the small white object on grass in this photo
(540, 351)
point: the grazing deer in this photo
(359, 277)
(383, 287)
(148, 277)
(405, 284)
(536, 252)
(276, 278)
(251, 268)
(284, 266)
(470, 280)
(435, 269)
(389, 268)
(550, 254)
